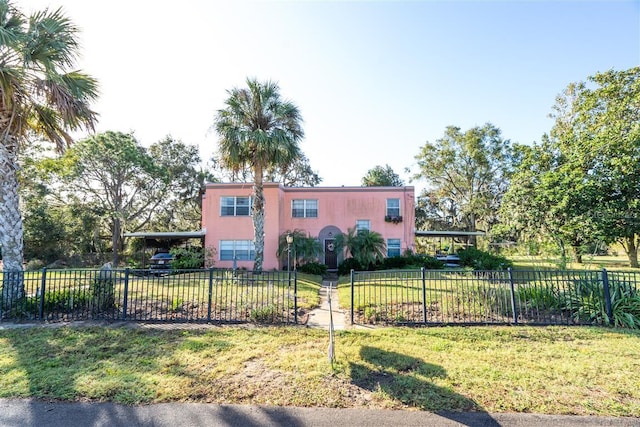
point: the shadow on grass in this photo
(102, 375)
(410, 381)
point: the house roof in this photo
(249, 185)
(168, 235)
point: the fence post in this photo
(352, 293)
(126, 293)
(607, 295)
(210, 296)
(424, 296)
(513, 296)
(295, 296)
(43, 285)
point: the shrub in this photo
(266, 314)
(313, 268)
(541, 297)
(34, 264)
(481, 260)
(347, 265)
(61, 301)
(192, 257)
(393, 263)
(426, 261)
(586, 303)
(187, 258)
(409, 260)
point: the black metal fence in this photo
(491, 297)
(208, 295)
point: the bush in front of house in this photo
(407, 261)
(410, 261)
(347, 265)
(481, 260)
(313, 268)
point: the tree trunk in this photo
(472, 228)
(563, 253)
(577, 254)
(10, 228)
(115, 242)
(631, 248)
(258, 218)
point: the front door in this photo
(330, 254)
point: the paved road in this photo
(29, 412)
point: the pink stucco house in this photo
(323, 212)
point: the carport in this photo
(165, 239)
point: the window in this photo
(304, 208)
(242, 250)
(393, 207)
(393, 247)
(235, 206)
(363, 224)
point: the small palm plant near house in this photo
(304, 248)
(364, 246)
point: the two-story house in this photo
(322, 212)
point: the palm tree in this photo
(258, 130)
(304, 248)
(364, 246)
(39, 97)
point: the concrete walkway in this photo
(321, 317)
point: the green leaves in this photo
(36, 82)
(581, 184)
(381, 176)
(467, 173)
(365, 246)
(258, 129)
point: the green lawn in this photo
(589, 262)
(553, 370)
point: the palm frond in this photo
(46, 121)
(51, 40)
(11, 24)
(68, 94)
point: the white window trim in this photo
(235, 205)
(399, 247)
(368, 221)
(252, 248)
(399, 207)
(304, 208)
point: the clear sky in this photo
(374, 80)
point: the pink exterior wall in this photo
(338, 208)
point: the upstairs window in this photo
(235, 206)
(304, 208)
(393, 207)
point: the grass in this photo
(554, 370)
(589, 262)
